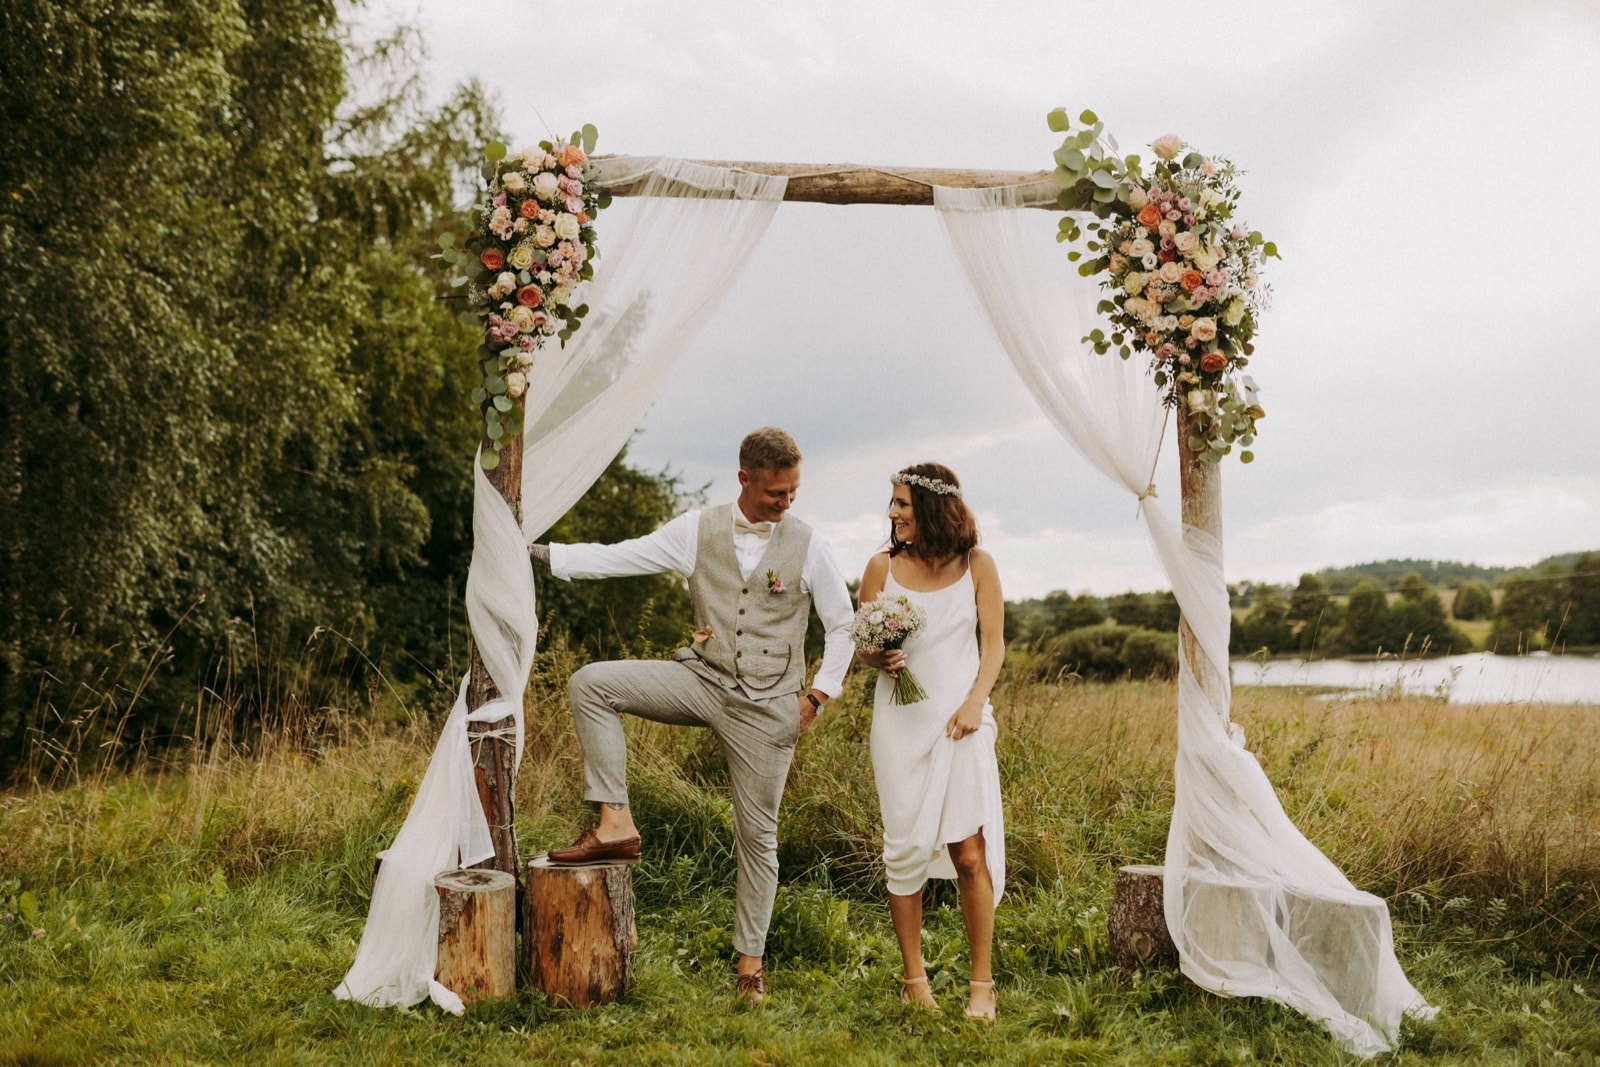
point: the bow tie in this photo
(741, 525)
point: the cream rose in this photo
(1170, 273)
(504, 284)
(516, 384)
(1137, 198)
(522, 318)
(1204, 330)
(1133, 282)
(520, 257)
(1233, 314)
(566, 226)
(1141, 248)
(1199, 400)
(1167, 228)
(544, 236)
(1205, 258)
(1167, 146)
(1186, 242)
(546, 186)
(513, 181)
(560, 295)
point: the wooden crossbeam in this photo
(855, 183)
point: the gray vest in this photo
(758, 634)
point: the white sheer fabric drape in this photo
(1254, 908)
(670, 254)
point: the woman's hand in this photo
(891, 660)
(966, 720)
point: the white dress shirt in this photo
(673, 548)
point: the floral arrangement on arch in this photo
(1182, 273)
(533, 242)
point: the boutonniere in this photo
(704, 634)
(775, 583)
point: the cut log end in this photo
(1138, 922)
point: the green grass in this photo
(200, 910)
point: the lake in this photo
(1480, 678)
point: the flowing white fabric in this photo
(1254, 908)
(655, 286)
(653, 290)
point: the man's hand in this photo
(808, 712)
(539, 555)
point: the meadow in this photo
(199, 907)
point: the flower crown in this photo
(922, 481)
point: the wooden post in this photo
(477, 934)
(578, 931)
(1137, 925)
(853, 183)
(494, 758)
(1201, 485)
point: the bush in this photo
(1473, 601)
(1149, 654)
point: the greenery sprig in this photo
(1183, 276)
(534, 241)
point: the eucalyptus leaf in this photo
(479, 396)
(471, 318)
(1106, 307)
(494, 151)
(1193, 160)
(447, 240)
(489, 459)
(1058, 120)
(1247, 456)
(1063, 177)
(590, 136)
(502, 403)
(495, 384)
(1103, 178)
(1088, 118)
(1105, 196)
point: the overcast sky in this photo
(1430, 171)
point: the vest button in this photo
(743, 591)
(738, 633)
(741, 611)
(736, 655)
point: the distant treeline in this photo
(1347, 611)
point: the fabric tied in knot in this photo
(741, 525)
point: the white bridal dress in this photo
(934, 790)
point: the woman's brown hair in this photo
(945, 526)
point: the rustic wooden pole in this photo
(1201, 486)
(578, 931)
(494, 757)
(477, 934)
(853, 183)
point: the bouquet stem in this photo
(907, 690)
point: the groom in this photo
(754, 574)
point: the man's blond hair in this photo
(768, 448)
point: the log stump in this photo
(578, 931)
(477, 934)
(1138, 921)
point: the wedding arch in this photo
(1253, 907)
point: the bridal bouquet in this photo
(883, 624)
(1182, 275)
(533, 243)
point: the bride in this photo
(934, 761)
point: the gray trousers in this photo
(757, 736)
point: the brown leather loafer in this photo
(751, 987)
(590, 849)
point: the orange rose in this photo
(492, 258)
(1212, 362)
(572, 156)
(1149, 216)
(1191, 280)
(529, 296)
(529, 209)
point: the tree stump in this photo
(578, 931)
(1138, 921)
(477, 934)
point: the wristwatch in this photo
(815, 703)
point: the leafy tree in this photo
(227, 397)
(1527, 615)
(1417, 622)
(1313, 613)
(1366, 618)
(639, 614)
(1473, 600)
(1583, 591)
(1151, 611)
(1267, 625)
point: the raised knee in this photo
(582, 682)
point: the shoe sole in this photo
(602, 862)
